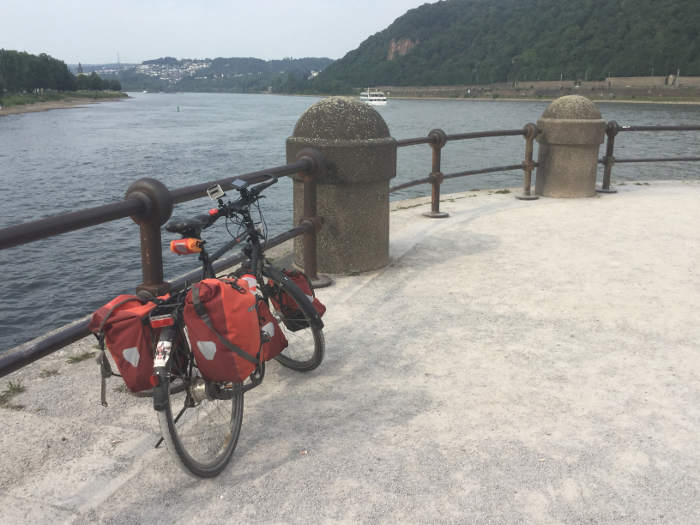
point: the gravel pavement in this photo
(518, 362)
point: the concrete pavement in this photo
(518, 362)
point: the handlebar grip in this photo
(260, 187)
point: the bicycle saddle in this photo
(191, 227)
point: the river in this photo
(59, 161)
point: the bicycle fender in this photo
(160, 393)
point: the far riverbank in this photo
(66, 103)
(687, 102)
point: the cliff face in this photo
(400, 47)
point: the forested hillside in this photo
(486, 41)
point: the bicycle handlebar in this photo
(257, 190)
(193, 227)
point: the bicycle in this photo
(203, 434)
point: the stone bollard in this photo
(353, 192)
(571, 132)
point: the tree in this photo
(24, 72)
(83, 82)
(95, 82)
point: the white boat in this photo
(373, 98)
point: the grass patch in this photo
(48, 372)
(97, 94)
(453, 199)
(502, 191)
(18, 99)
(80, 357)
(410, 206)
(12, 389)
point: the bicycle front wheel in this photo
(300, 324)
(200, 424)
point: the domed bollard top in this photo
(571, 132)
(353, 192)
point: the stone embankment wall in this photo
(610, 88)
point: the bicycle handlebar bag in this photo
(222, 329)
(276, 340)
(292, 317)
(124, 324)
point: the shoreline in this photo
(83, 101)
(665, 101)
(54, 104)
(550, 99)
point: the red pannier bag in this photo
(293, 318)
(222, 329)
(276, 340)
(124, 324)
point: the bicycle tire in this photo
(203, 437)
(306, 346)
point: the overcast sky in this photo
(95, 31)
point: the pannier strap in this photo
(201, 311)
(114, 307)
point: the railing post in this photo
(530, 131)
(310, 218)
(438, 140)
(611, 130)
(353, 191)
(571, 132)
(158, 207)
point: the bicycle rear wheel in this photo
(306, 345)
(200, 424)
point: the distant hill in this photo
(245, 66)
(487, 41)
(240, 75)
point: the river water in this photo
(59, 161)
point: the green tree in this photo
(95, 82)
(83, 82)
(24, 72)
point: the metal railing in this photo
(613, 128)
(437, 139)
(149, 203)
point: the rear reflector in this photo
(162, 320)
